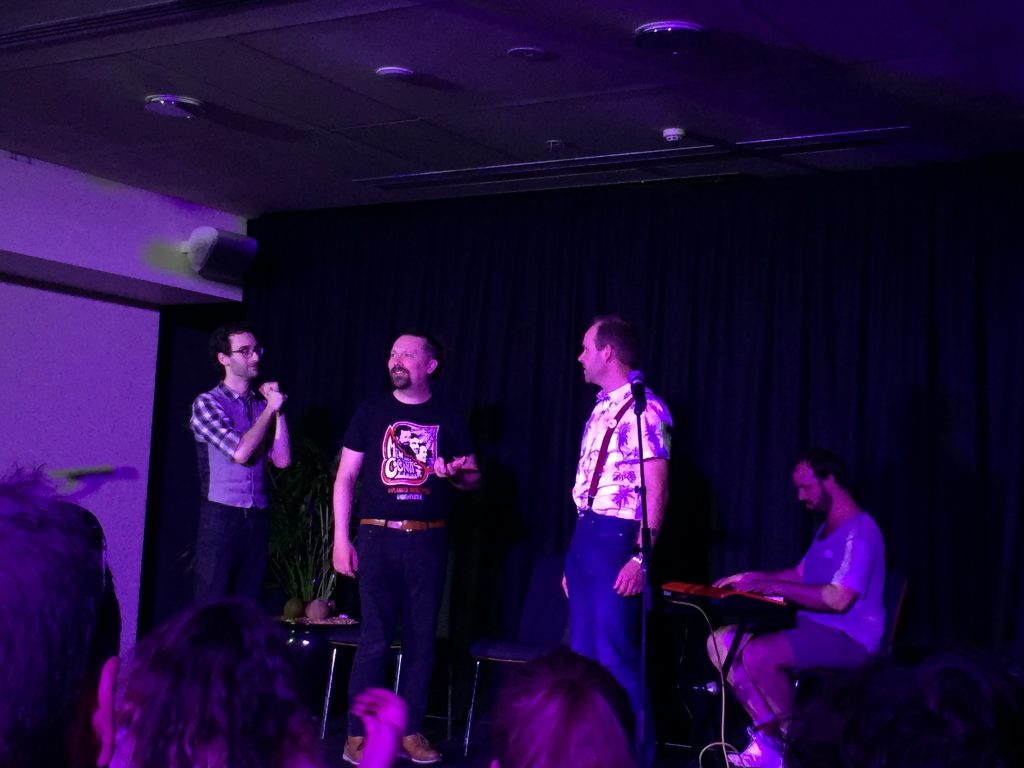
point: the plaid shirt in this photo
(211, 425)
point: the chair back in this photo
(893, 594)
(545, 614)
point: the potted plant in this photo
(302, 531)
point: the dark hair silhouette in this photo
(563, 710)
(61, 623)
(949, 711)
(213, 687)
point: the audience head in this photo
(61, 630)
(213, 687)
(949, 711)
(563, 709)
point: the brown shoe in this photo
(418, 749)
(354, 746)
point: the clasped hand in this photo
(271, 392)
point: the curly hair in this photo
(563, 709)
(213, 688)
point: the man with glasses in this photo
(61, 631)
(236, 430)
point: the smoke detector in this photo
(673, 135)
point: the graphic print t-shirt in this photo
(399, 444)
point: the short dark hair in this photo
(623, 338)
(434, 346)
(823, 463)
(214, 681)
(563, 709)
(220, 340)
(61, 619)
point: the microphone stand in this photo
(646, 546)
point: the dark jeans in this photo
(603, 625)
(399, 571)
(231, 552)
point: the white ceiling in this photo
(296, 117)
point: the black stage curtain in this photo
(878, 314)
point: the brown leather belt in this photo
(403, 525)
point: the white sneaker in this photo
(761, 752)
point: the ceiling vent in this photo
(667, 37)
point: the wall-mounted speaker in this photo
(221, 256)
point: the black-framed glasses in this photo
(248, 352)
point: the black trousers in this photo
(231, 552)
(400, 574)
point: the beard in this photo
(823, 504)
(400, 378)
(247, 371)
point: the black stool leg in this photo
(472, 703)
(327, 696)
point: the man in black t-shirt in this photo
(410, 451)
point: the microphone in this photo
(639, 392)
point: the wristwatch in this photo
(638, 558)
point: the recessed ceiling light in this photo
(169, 105)
(395, 72)
(670, 37)
(529, 53)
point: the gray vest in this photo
(225, 480)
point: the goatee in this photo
(399, 378)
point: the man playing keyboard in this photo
(837, 586)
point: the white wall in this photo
(63, 226)
(77, 381)
(77, 375)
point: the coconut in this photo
(294, 608)
(318, 610)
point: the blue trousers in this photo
(400, 573)
(603, 625)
